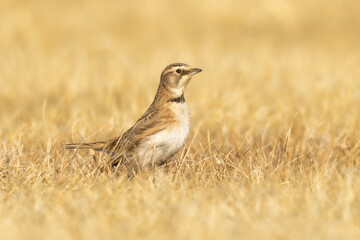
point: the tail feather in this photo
(97, 146)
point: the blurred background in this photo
(91, 65)
(276, 155)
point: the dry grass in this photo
(274, 149)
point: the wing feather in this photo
(148, 124)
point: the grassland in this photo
(274, 148)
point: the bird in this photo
(159, 133)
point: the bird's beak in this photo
(195, 71)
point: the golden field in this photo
(274, 147)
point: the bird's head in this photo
(176, 76)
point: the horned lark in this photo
(160, 132)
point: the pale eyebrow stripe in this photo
(177, 65)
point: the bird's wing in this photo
(150, 123)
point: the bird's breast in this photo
(176, 131)
(169, 141)
(180, 131)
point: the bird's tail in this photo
(97, 146)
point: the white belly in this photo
(166, 143)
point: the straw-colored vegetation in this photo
(274, 148)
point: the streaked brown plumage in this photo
(160, 132)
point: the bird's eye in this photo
(178, 70)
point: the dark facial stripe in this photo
(185, 72)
